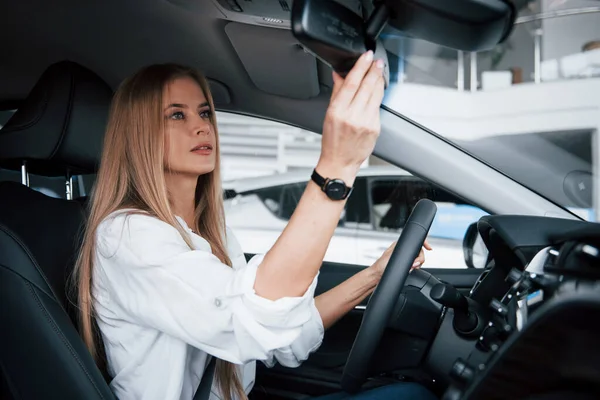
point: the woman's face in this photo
(190, 143)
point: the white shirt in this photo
(163, 308)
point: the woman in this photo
(166, 283)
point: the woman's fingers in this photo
(375, 100)
(338, 82)
(368, 87)
(420, 260)
(344, 96)
(350, 130)
(391, 248)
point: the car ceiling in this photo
(114, 38)
(255, 70)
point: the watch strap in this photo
(318, 179)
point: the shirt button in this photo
(217, 302)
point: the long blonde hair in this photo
(131, 175)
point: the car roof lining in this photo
(114, 38)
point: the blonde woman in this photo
(162, 281)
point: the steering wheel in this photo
(383, 299)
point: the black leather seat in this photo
(57, 131)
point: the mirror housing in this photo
(338, 36)
(468, 25)
(335, 34)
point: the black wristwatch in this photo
(335, 189)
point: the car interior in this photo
(523, 327)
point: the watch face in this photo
(336, 189)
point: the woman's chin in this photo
(203, 171)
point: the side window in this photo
(290, 196)
(356, 214)
(267, 165)
(393, 200)
(280, 200)
(271, 198)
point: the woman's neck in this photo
(182, 193)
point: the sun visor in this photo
(274, 60)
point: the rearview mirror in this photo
(334, 34)
(338, 36)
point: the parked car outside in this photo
(257, 209)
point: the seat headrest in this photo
(60, 127)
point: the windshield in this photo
(529, 107)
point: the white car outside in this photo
(258, 209)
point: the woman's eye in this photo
(177, 115)
(205, 114)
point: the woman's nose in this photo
(203, 130)
(202, 127)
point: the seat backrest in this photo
(57, 131)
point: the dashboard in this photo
(535, 305)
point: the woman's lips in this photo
(203, 150)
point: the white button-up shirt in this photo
(163, 309)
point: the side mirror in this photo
(474, 249)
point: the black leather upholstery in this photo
(51, 229)
(58, 129)
(60, 126)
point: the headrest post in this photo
(69, 186)
(81, 186)
(24, 174)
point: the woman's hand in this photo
(350, 130)
(380, 265)
(336, 302)
(352, 123)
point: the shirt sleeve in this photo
(308, 341)
(312, 332)
(146, 274)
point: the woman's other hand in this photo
(380, 265)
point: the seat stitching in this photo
(13, 236)
(62, 337)
(12, 271)
(66, 121)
